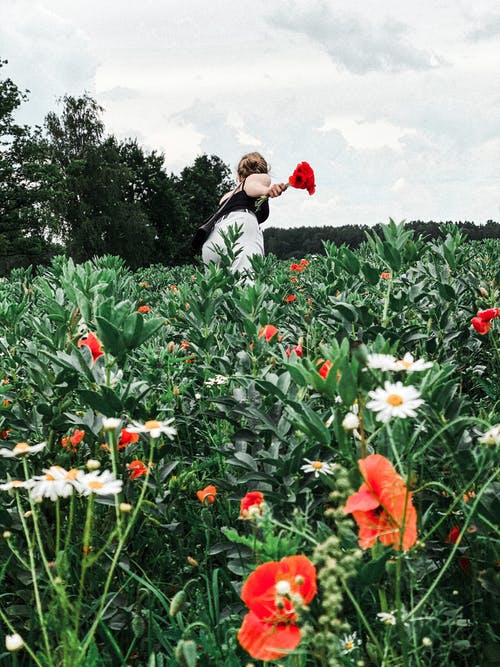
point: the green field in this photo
(350, 389)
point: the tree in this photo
(29, 186)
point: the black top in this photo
(240, 201)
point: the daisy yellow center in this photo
(96, 485)
(72, 473)
(405, 364)
(394, 400)
(16, 483)
(21, 447)
(151, 424)
(317, 465)
(349, 645)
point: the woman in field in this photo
(240, 209)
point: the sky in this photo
(395, 105)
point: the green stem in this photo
(85, 559)
(32, 568)
(455, 546)
(386, 302)
(58, 527)
(362, 616)
(117, 554)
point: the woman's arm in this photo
(259, 185)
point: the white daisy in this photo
(217, 380)
(55, 483)
(101, 483)
(387, 617)
(407, 363)
(491, 437)
(318, 467)
(394, 400)
(15, 484)
(154, 428)
(350, 421)
(382, 362)
(22, 449)
(350, 643)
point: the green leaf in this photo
(132, 329)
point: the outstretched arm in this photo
(259, 185)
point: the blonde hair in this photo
(252, 163)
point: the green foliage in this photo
(161, 582)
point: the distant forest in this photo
(70, 188)
(300, 241)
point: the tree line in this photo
(68, 187)
(300, 241)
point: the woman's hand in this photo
(276, 189)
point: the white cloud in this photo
(48, 54)
(357, 43)
(361, 134)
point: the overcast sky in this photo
(395, 104)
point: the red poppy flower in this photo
(137, 469)
(185, 344)
(297, 349)
(268, 331)
(290, 298)
(143, 309)
(480, 325)
(273, 592)
(303, 178)
(453, 535)
(325, 368)
(383, 507)
(91, 341)
(207, 495)
(251, 504)
(488, 314)
(71, 442)
(127, 438)
(385, 275)
(463, 562)
(297, 267)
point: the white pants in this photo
(251, 241)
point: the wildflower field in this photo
(300, 472)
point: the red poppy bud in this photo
(481, 326)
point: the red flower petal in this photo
(480, 325)
(488, 314)
(361, 501)
(265, 641)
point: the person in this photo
(240, 209)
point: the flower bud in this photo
(483, 291)
(7, 535)
(27, 514)
(13, 642)
(177, 602)
(350, 421)
(426, 641)
(111, 423)
(193, 562)
(125, 507)
(92, 464)
(171, 346)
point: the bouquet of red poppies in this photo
(302, 179)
